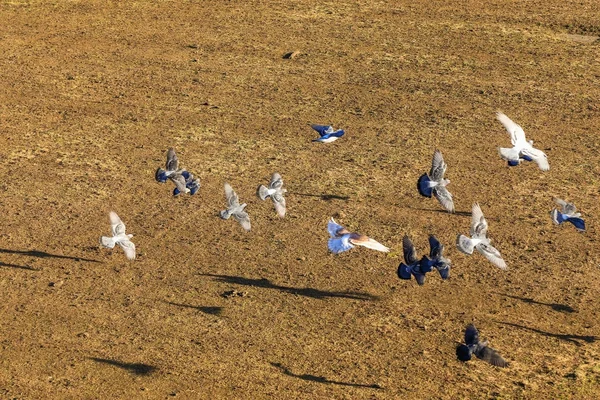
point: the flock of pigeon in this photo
(432, 184)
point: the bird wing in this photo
(335, 229)
(179, 181)
(276, 181)
(517, 135)
(231, 196)
(322, 129)
(492, 254)
(362, 240)
(128, 247)
(279, 203)
(478, 223)
(471, 335)
(243, 218)
(491, 356)
(339, 244)
(538, 156)
(436, 249)
(408, 248)
(444, 197)
(438, 167)
(565, 207)
(117, 226)
(172, 161)
(262, 192)
(464, 244)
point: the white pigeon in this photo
(342, 239)
(479, 239)
(235, 209)
(275, 191)
(522, 148)
(118, 236)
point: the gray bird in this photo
(479, 239)
(275, 191)
(118, 236)
(235, 209)
(171, 167)
(568, 212)
(481, 350)
(435, 184)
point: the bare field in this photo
(92, 94)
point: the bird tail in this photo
(338, 245)
(578, 222)
(423, 186)
(262, 192)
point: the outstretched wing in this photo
(438, 166)
(179, 182)
(517, 135)
(335, 229)
(478, 223)
(444, 197)
(243, 218)
(436, 248)
(279, 203)
(492, 254)
(491, 356)
(117, 226)
(231, 196)
(408, 248)
(172, 161)
(362, 240)
(471, 335)
(128, 247)
(566, 208)
(538, 156)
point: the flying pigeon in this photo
(342, 239)
(568, 212)
(522, 148)
(275, 191)
(328, 134)
(413, 265)
(235, 209)
(479, 239)
(435, 184)
(436, 259)
(480, 349)
(118, 236)
(183, 180)
(161, 175)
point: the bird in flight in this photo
(327, 133)
(413, 265)
(183, 180)
(479, 239)
(235, 209)
(481, 350)
(522, 148)
(568, 212)
(342, 239)
(435, 184)
(118, 236)
(275, 191)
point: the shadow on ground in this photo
(134, 368)
(321, 379)
(43, 254)
(575, 339)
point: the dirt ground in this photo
(93, 93)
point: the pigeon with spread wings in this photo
(235, 209)
(522, 148)
(326, 133)
(479, 239)
(435, 184)
(342, 239)
(568, 212)
(118, 236)
(275, 191)
(481, 350)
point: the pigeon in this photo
(481, 350)
(436, 259)
(568, 212)
(479, 239)
(522, 148)
(328, 134)
(161, 175)
(342, 240)
(183, 180)
(413, 265)
(118, 236)
(435, 184)
(235, 209)
(275, 191)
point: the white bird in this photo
(522, 148)
(275, 191)
(118, 236)
(342, 239)
(479, 239)
(235, 209)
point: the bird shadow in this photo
(27, 267)
(566, 337)
(460, 213)
(321, 379)
(43, 254)
(134, 368)
(308, 292)
(206, 310)
(326, 197)
(555, 306)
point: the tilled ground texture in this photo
(93, 93)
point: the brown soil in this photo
(93, 93)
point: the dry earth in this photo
(92, 93)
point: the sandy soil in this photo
(92, 94)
